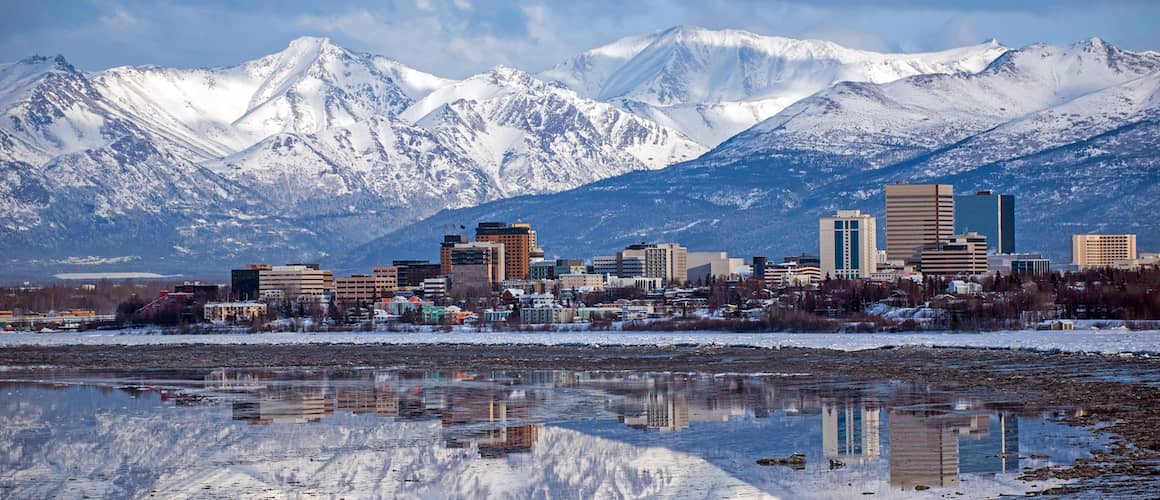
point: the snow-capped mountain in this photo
(712, 84)
(498, 119)
(1072, 131)
(316, 145)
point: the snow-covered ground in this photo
(1099, 341)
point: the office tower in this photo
(759, 264)
(478, 264)
(1101, 250)
(668, 261)
(849, 245)
(244, 283)
(449, 241)
(962, 254)
(518, 241)
(917, 215)
(991, 215)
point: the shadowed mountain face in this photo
(1071, 131)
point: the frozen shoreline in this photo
(1095, 341)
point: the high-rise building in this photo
(518, 241)
(1101, 250)
(668, 261)
(478, 264)
(991, 215)
(917, 215)
(759, 264)
(244, 283)
(449, 241)
(849, 245)
(962, 254)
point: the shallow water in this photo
(454, 434)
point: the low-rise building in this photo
(702, 265)
(585, 282)
(547, 314)
(357, 288)
(1031, 266)
(435, 288)
(962, 254)
(960, 287)
(640, 282)
(234, 312)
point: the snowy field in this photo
(1099, 341)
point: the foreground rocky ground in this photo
(1120, 392)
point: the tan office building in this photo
(357, 288)
(962, 254)
(917, 215)
(294, 280)
(1102, 250)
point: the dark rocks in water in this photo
(797, 461)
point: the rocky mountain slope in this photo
(288, 157)
(1072, 131)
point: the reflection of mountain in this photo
(110, 443)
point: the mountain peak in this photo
(311, 43)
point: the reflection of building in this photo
(664, 411)
(923, 451)
(498, 439)
(366, 400)
(990, 445)
(851, 432)
(282, 408)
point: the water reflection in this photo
(559, 433)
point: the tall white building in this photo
(848, 245)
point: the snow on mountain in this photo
(312, 144)
(511, 123)
(311, 86)
(1071, 131)
(931, 111)
(712, 84)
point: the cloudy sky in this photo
(456, 38)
